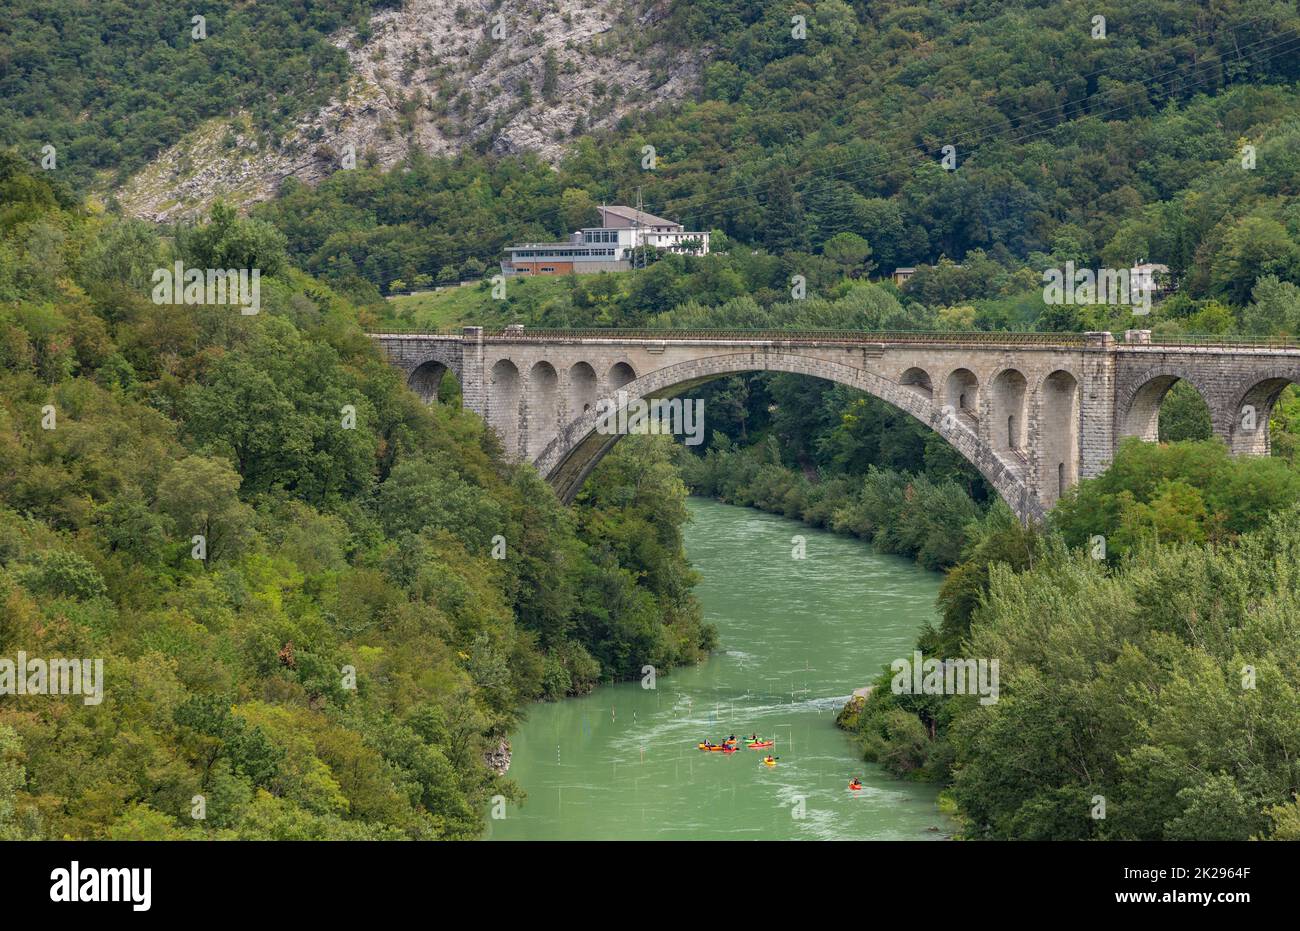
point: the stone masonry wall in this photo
(1095, 391)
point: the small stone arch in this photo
(1009, 406)
(543, 407)
(503, 405)
(582, 389)
(1057, 434)
(961, 392)
(620, 374)
(426, 378)
(1138, 408)
(918, 379)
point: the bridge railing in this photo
(1226, 341)
(968, 337)
(795, 336)
(753, 335)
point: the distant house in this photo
(903, 275)
(604, 248)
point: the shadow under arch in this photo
(426, 379)
(572, 455)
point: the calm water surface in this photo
(797, 637)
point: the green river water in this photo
(797, 637)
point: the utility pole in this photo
(636, 226)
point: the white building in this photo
(608, 247)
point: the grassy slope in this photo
(474, 304)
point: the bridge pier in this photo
(473, 389)
(1097, 407)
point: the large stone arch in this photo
(570, 457)
(1137, 407)
(1248, 429)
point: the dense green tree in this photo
(849, 251)
(1181, 491)
(353, 649)
(200, 495)
(1184, 415)
(12, 779)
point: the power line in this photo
(1279, 45)
(908, 150)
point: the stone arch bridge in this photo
(1033, 412)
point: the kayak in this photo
(767, 762)
(761, 745)
(857, 788)
(725, 748)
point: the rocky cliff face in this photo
(438, 76)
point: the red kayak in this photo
(761, 745)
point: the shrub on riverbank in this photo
(910, 515)
(1167, 686)
(1191, 492)
(1162, 680)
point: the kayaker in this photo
(855, 784)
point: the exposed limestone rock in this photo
(498, 758)
(434, 78)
